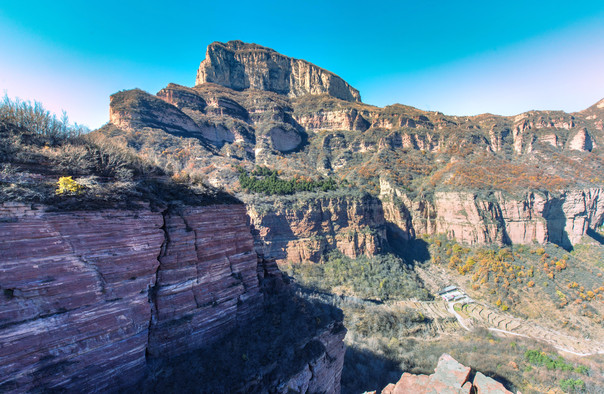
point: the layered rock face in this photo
(240, 66)
(306, 231)
(88, 297)
(206, 283)
(562, 219)
(74, 313)
(449, 377)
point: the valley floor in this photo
(409, 331)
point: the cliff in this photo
(241, 66)
(562, 218)
(306, 230)
(89, 298)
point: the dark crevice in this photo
(152, 293)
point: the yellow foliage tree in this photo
(66, 185)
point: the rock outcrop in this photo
(241, 66)
(134, 109)
(307, 230)
(449, 377)
(89, 297)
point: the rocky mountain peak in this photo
(244, 66)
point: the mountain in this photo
(241, 66)
(395, 203)
(208, 238)
(480, 179)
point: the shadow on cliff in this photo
(412, 251)
(283, 339)
(555, 218)
(367, 371)
(595, 235)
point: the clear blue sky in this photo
(457, 57)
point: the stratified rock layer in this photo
(206, 281)
(74, 313)
(562, 218)
(88, 297)
(241, 66)
(308, 230)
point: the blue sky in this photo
(460, 58)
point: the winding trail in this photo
(451, 309)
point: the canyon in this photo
(155, 292)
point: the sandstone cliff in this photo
(298, 231)
(240, 66)
(89, 297)
(562, 218)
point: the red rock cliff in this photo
(87, 297)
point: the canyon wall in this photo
(89, 296)
(292, 230)
(297, 231)
(562, 218)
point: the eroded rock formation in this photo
(562, 218)
(306, 231)
(241, 66)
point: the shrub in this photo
(571, 384)
(33, 117)
(267, 181)
(66, 185)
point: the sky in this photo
(457, 57)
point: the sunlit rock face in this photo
(242, 66)
(449, 377)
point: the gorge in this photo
(162, 271)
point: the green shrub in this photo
(379, 277)
(267, 181)
(571, 385)
(539, 358)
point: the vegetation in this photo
(267, 181)
(66, 185)
(572, 385)
(34, 118)
(380, 277)
(514, 277)
(540, 358)
(47, 160)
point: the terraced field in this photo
(436, 312)
(508, 325)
